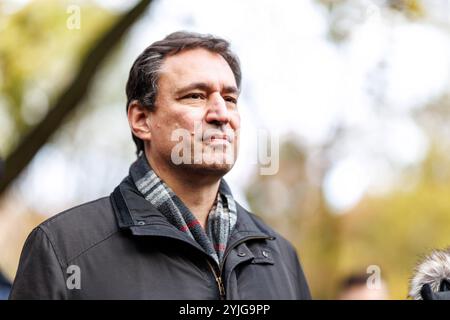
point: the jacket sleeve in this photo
(304, 293)
(39, 275)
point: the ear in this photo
(138, 118)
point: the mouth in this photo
(219, 138)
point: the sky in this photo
(296, 82)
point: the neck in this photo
(198, 192)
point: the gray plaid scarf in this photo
(221, 219)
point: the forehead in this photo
(196, 65)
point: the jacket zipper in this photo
(218, 281)
(218, 277)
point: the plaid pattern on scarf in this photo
(221, 219)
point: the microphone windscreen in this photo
(432, 271)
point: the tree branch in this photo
(69, 100)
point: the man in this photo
(171, 229)
(356, 287)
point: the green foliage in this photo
(39, 53)
(392, 231)
(395, 230)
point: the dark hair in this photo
(142, 84)
(354, 280)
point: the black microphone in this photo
(431, 280)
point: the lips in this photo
(218, 137)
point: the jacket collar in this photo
(138, 215)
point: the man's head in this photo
(355, 287)
(186, 82)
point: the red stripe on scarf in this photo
(189, 225)
(219, 246)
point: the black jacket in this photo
(121, 247)
(5, 287)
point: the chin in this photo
(214, 164)
(213, 169)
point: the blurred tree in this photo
(345, 16)
(292, 201)
(394, 230)
(37, 136)
(390, 231)
(36, 49)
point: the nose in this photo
(217, 110)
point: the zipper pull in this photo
(221, 287)
(219, 281)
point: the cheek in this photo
(175, 120)
(235, 121)
(190, 119)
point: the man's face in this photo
(196, 119)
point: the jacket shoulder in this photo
(288, 253)
(76, 230)
(264, 227)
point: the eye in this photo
(230, 99)
(194, 96)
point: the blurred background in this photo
(356, 91)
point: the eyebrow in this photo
(206, 87)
